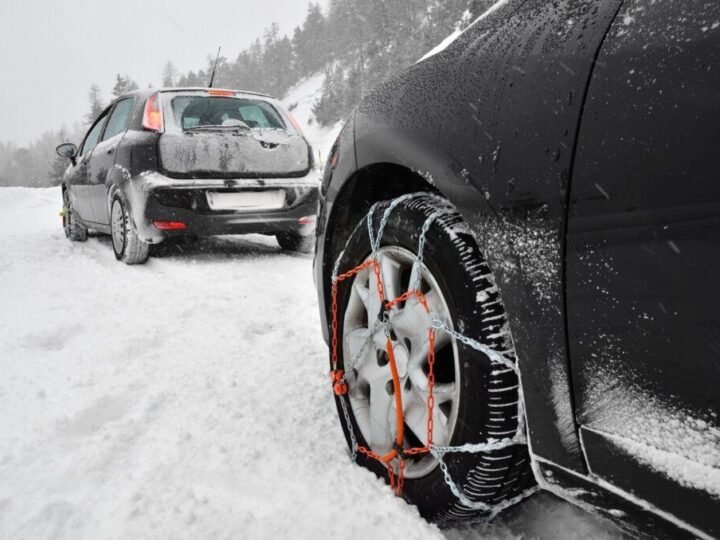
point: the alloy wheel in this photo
(371, 392)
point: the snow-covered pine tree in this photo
(123, 84)
(169, 75)
(96, 104)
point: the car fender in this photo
(490, 123)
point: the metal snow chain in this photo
(421, 248)
(375, 242)
(438, 452)
(353, 440)
(492, 354)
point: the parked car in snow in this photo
(559, 161)
(190, 162)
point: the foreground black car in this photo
(561, 162)
(190, 162)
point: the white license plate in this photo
(247, 200)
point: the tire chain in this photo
(496, 357)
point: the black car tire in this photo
(126, 244)
(453, 257)
(74, 230)
(294, 241)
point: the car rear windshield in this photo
(197, 111)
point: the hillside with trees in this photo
(355, 44)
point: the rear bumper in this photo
(158, 198)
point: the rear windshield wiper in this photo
(237, 128)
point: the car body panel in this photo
(492, 123)
(265, 154)
(506, 171)
(644, 255)
(101, 164)
(77, 177)
(636, 517)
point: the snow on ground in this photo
(187, 398)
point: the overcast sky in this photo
(51, 51)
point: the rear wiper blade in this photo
(239, 129)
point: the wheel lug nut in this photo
(382, 358)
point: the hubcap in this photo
(366, 363)
(118, 227)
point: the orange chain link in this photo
(396, 480)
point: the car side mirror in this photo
(67, 150)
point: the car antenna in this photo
(212, 77)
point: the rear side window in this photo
(195, 111)
(119, 118)
(93, 135)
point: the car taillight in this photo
(295, 123)
(169, 225)
(307, 220)
(152, 118)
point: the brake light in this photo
(220, 92)
(295, 123)
(307, 220)
(152, 118)
(169, 225)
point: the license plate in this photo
(247, 200)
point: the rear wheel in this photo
(74, 230)
(295, 241)
(127, 245)
(475, 400)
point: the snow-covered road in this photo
(187, 398)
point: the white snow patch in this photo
(457, 33)
(187, 398)
(300, 100)
(633, 414)
(677, 468)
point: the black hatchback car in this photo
(517, 262)
(190, 162)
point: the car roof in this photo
(147, 92)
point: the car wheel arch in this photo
(354, 198)
(120, 183)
